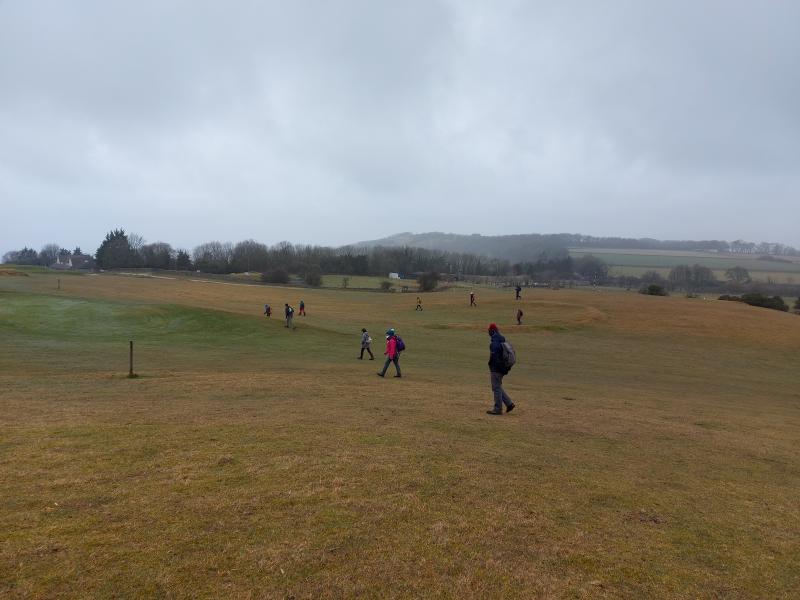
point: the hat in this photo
(363, 329)
(390, 332)
(492, 327)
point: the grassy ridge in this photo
(653, 452)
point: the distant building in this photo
(73, 262)
(394, 275)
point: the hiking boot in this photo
(494, 412)
(398, 375)
(510, 408)
(379, 374)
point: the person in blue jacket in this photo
(498, 370)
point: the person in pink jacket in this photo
(392, 354)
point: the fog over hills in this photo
(522, 247)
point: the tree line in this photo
(49, 254)
(122, 250)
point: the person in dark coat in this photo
(288, 312)
(497, 370)
(518, 290)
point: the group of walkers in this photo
(288, 313)
(501, 358)
(501, 354)
(394, 346)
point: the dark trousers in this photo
(371, 356)
(395, 360)
(500, 396)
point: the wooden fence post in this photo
(131, 374)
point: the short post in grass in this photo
(59, 284)
(131, 374)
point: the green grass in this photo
(653, 452)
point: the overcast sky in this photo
(334, 122)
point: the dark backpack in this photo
(401, 345)
(508, 355)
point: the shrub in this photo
(797, 306)
(427, 281)
(756, 299)
(275, 276)
(775, 303)
(313, 277)
(386, 285)
(653, 290)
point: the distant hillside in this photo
(530, 246)
(515, 248)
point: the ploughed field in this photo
(653, 452)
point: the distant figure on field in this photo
(519, 316)
(518, 290)
(499, 364)
(419, 303)
(472, 299)
(289, 313)
(268, 310)
(392, 353)
(366, 344)
(302, 308)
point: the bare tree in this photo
(49, 254)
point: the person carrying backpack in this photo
(394, 345)
(518, 290)
(288, 311)
(268, 310)
(501, 359)
(366, 343)
(302, 308)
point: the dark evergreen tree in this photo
(115, 252)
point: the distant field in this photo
(653, 452)
(636, 262)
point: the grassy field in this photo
(636, 262)
(653, 453)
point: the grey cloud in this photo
(334, 122)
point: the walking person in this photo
(268, 310)
(518, 290)
(498, 368)
(472, 300)
(302, 308)
(366, 344)
(519, 316)
(419, 303)
(289, 313)
(392, 353)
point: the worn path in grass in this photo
(653, 453)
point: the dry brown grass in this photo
(653, 452)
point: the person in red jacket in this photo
(392, 354)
